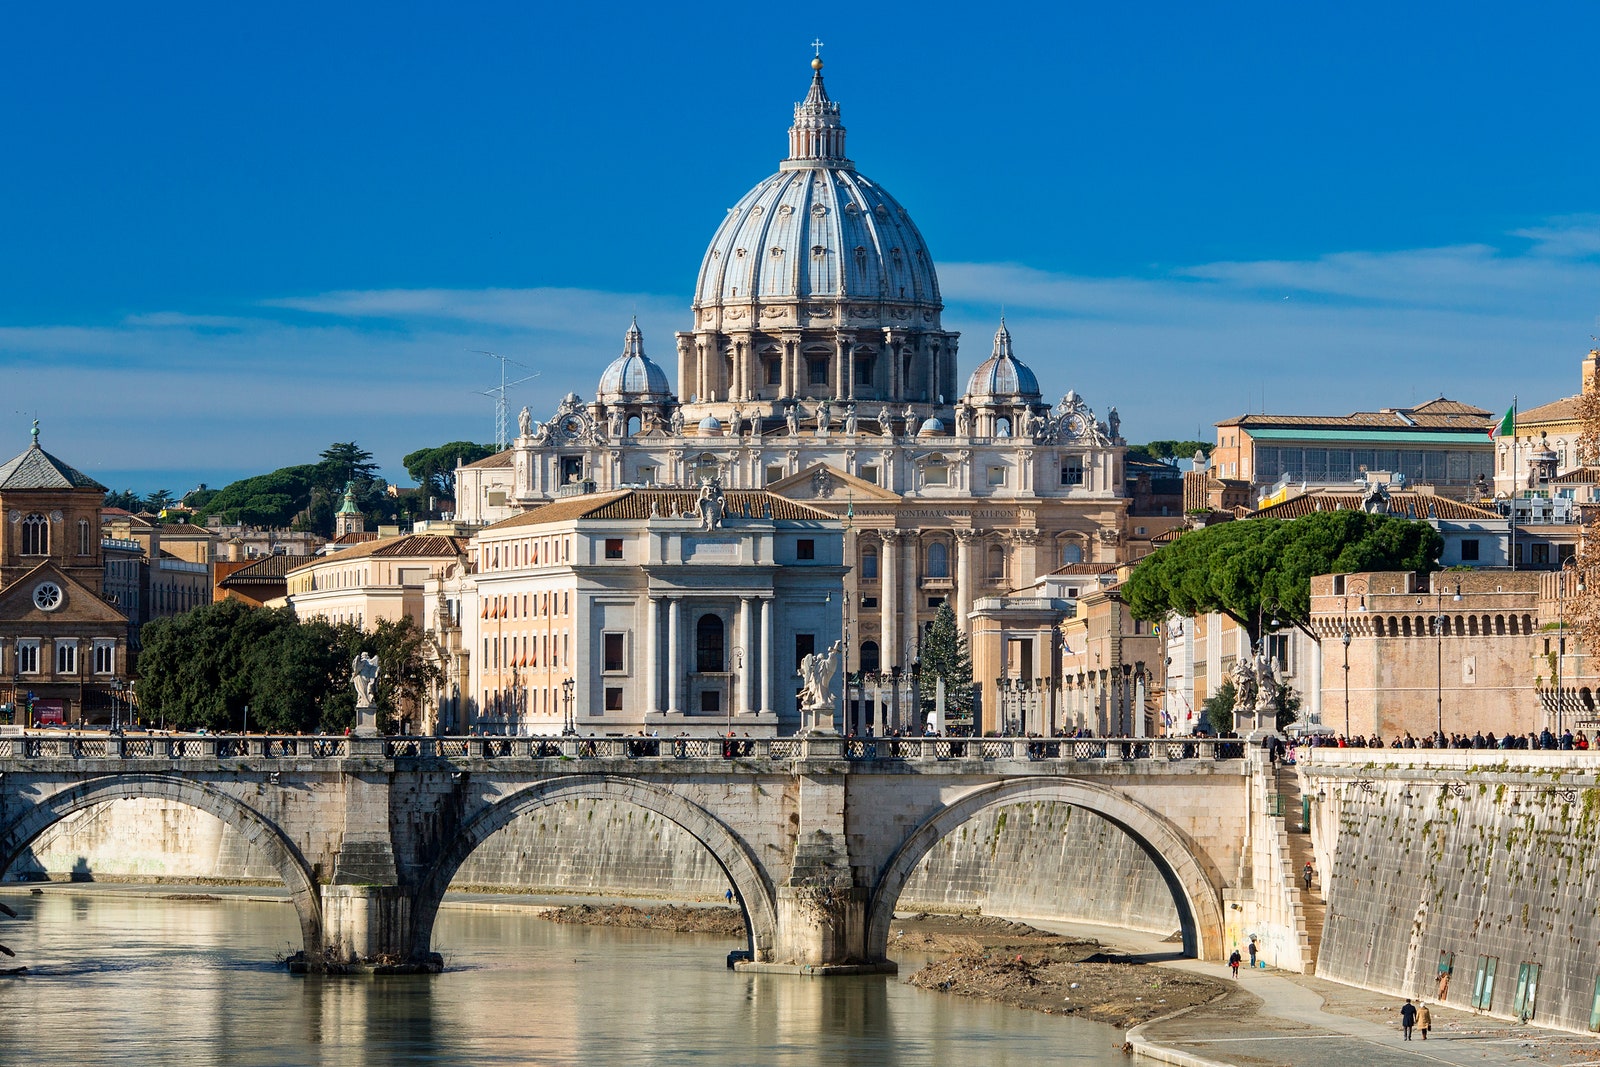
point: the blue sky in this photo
(231, 235)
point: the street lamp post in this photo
(1344, 638)
(1571, 563)
(738, 671)
(568, 725)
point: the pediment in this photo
(823, 482)
(78, 602)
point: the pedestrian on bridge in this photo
(1306, 874)
(1408, 1017)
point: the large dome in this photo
(633, 377)
(818, 230)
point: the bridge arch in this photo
(750, 883)
(1195, 891)
(256, 828)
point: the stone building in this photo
(371, 581)
(1442, 444)
(639, 609)
(1455, 648)
(63, 649)
(817, 366)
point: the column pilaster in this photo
(674, 655)
(766, 655)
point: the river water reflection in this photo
(132, 979)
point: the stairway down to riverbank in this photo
(1312, 908)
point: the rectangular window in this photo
(710, 700)
(1469, 549)
(613, 548)
(614, 663)
(805, 548)
(1527, 991)
(997, 476)
(774, 474)
(1540, 554)
(937, 475)
(647, 476)
(28, 656)
(105, 657)
(804, 645)
(869, 474)
(864, 370)
(66, 657)
(614, 698)
(1072, 472)
(497, 498)
(936, 602)
(1483, 982)
(774, 372)
(816, 372)
(869, 601)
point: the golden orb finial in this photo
(816, 64)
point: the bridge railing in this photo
(910, 749)
(169, 747)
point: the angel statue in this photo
(364, 677)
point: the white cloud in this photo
(199, 395)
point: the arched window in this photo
(869, 564)
(938, 560)
(708, 651)
(869, 656)
(35, 535)
(85, 546)
(1002, 427)
(997, 564)
(1071, 552)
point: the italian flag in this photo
(1506, 427)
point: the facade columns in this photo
(741, 700)
(964, 541)
(652, 649)
(889, 571)
(766, 655)
(908, 608)
(674, 655)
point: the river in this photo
(150, 977)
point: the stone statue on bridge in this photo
(364, 678)
(1245, 691)
(816, 695)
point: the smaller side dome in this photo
(1002, 376)
(710, 427)
(931, 428)
(633, 377)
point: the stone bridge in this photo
(817, 835)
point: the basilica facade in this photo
(817, 367)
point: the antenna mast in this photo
(498, 395)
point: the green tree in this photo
(161, 498)
(345, 461)
(294, 674)
(127, 500)
(272, 499)
(435, 468)
(1218, 708)
(1255, 570)
(944, 654)
(197, 669)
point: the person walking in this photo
(1306, 875)
(1233, 962)
(1408, 1017)
(1424, 1020)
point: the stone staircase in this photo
(1313, 907)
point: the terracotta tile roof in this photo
(1563, 410)
(407, 546)
(1087, 568)
(184, 529)
(499, 459)
(1440, 414)
(355, 537)
(1578, 476)
(637, 504)
(273, 568)
(1406, 505)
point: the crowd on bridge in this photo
(1545, 739)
